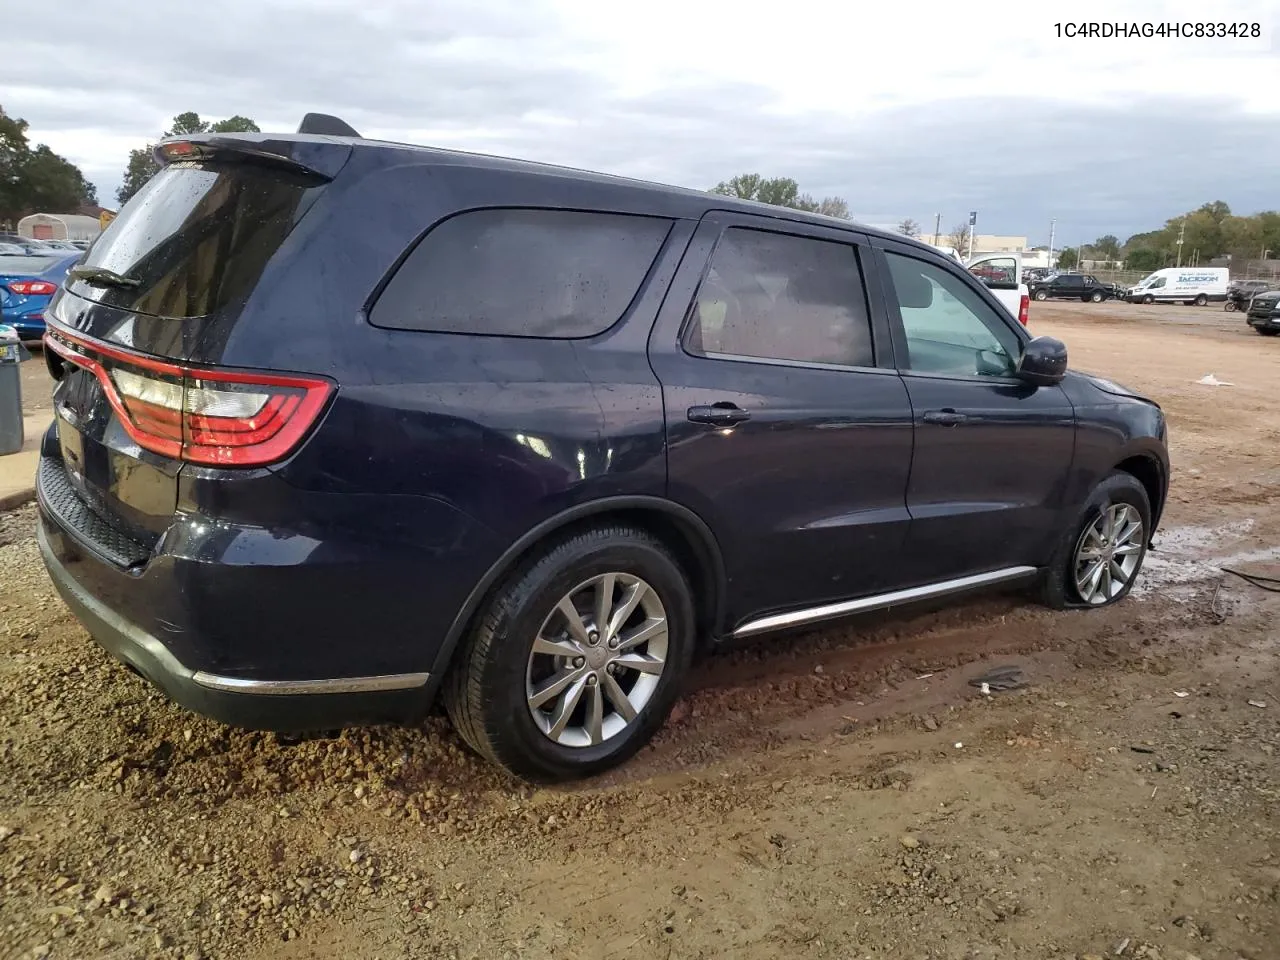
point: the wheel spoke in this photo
(649, 630)
(641, 662)
(1108, 524)
(556, 648)
(573, 620)
(1128, 548)
(604, 602)
(595, 714)
(1093, 579)
(1105, 584)
(630, 600)
(1116, 572)
(564, 710)
(618, 697)
(1089, 555)
(553, 687)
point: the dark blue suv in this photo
(343, 425)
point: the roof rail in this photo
(325, 125)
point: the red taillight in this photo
(218, 417)
(1024, 309)
(33, 288)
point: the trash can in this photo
(11, 354)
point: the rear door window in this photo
(561, 274)
(771, 296)
(197, 238)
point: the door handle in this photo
(721, 414)
(946, 417)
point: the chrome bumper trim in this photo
(392, 681)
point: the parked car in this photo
(1072, 286)
(536, 438)
(64, 245)
(1264, 313)
(1188, 285)
(1241, 292)
(27, 284)
(1001, 273)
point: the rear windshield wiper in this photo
(104, 277)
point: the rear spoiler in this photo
(316, 151)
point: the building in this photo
(59, 226)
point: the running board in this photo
(883, 601)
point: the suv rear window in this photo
(197, 238)
(522, 273)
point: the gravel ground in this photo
(847, 794)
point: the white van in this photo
(1198, 285)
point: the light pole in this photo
(937, 228)
(1182, 232)
(1052, 226)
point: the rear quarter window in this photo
(561, 274)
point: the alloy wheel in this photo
(597, 660)
(1108, 553)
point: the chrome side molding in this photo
(832, 611)
(393, 681)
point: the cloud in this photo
(929, 109)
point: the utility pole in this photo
(937, 228)
(1182, 232)
(1052, 226)
(973, 222)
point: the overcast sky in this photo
(924, 110)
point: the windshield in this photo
(197, 238)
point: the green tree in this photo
(142, 165)
(36, 180)
(1068, 258)
(1107, 247)
(780, 192)
(1144, 258)
(909, 228)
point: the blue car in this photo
(27, 284)
(345, 426)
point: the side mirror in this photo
(1043, 362)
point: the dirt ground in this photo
(844, 795)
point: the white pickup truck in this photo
(1002, 275)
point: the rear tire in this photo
(1085, 543)
(1201, 300)
(1096, 296)
(499, 693)
(1230, 306)
(1041, 295)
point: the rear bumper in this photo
(29, 328)
(283, 705)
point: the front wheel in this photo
(1148, 299)
(1230, 306)
(1267, 331)
(1096, 296)
(1098, 558)
(1041, 295)
(577, 659)
(1201, 300)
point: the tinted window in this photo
(950, 329)
(197, 238)
(782, 298)
(522, 273)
